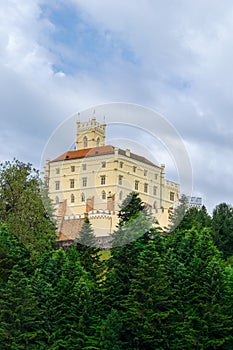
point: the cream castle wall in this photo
(86, 174)
(90, 134)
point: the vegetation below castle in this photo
(170, 289)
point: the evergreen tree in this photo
(228, 305)
(108, 332)
(20, 316)
(88, 250)
(12, 252)
(222, 228)
(198, 279)
(176, 214)
(130, 207)
(124, 254)
(149, 306)
(66, 296)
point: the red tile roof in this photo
(86, 152)
(98, 151)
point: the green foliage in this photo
(149, 306)
(22, 207)
(131, 206)
(134, 221)
(129, 240)
(88, 251)
(12, 252)
(177, 214)
(20, 316)
(198, 278)
(65, 293)
(222, 228)
(161, 290)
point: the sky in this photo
(59, 57)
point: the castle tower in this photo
(90, 134)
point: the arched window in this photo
(154, 190)
(103, 195)
(85, 142)
(57, 200)
(72, 198)
(120, 195)
(97, 141)
(83, 197)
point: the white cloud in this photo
(173, 56)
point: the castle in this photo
(93, 180)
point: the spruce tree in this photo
(222, 228)
(149, 306)
(12, 252)
(66, 297)
(197, 274)
(130, 238)
(20, 322)
(88, 251)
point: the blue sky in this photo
(79, 44)
(59, 57)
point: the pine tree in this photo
(20, 315)
(12, 252)
(149, 306)
(177, 214)
(129, 240)
(66, 296)
(88, 250)
(198, 279)
(222, 228)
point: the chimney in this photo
(90, 204)
(110, 201)
(127, 152)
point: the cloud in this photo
(174, 57)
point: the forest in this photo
(155, 289)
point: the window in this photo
(120, 179)
(72, 198)
(83, 197)
(156, 176)
(120, 195)
(146, 187)
(103, 164)
(102, 179)
(172, 196)
(85, 142)
(155, 205)
(97, 141)
(84, 181)
(57, 170)
(57, 200)
(84, 166)
(103, 195)
(134, 169)
(57, 185)
(121, 164)
(145, 172)
(136, 185)
(72, 168)
(71, 183)
(154, 190)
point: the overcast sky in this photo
(176, 57)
